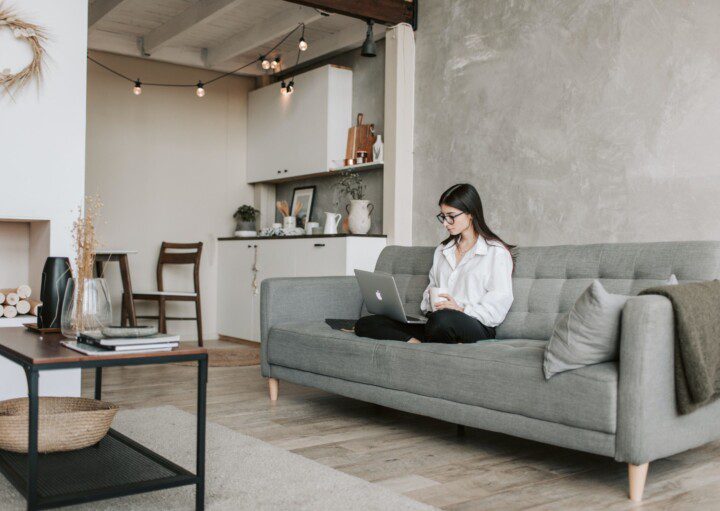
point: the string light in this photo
(302, 44)
(265, 63)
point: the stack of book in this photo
(98, 344)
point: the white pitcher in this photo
(359, 219)
(332, 220)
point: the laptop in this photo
(381, 296)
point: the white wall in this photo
(169, 166)
(42, 147)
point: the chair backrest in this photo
(548, 280)
(180, 253)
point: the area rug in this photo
(243, 473)
(236, 356)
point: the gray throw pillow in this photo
(589, 333)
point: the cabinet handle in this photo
(319, 244)
(285, 170)
(279, 171)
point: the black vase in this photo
(55, 276)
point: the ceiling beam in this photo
(201, 12)
(389, 12)
(260, 34)
(100, 9)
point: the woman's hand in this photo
(449, 303)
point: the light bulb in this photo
(265, 63)
(200, 90)
(302, 44)
(283, 88)
(290, 87)
(275, 63)
(137, 89)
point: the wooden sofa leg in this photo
(273, 385)
(636, 477)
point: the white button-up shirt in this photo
(481, 282)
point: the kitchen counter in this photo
(304, 236)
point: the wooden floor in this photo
(422, 458)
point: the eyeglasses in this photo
(450, 219)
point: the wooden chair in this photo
(176, 253)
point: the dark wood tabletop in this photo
(35, 349)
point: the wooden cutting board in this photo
(360, 138)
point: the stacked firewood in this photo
(14, 301)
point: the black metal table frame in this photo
(32, 372)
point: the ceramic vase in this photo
(55, 276)
(331, 222)
(359, 216)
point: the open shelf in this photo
(18, 320)
(362, 167)
(116, 466)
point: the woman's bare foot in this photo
(414, 341)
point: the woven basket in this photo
(66, 423)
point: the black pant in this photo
(445, 326)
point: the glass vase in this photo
(86, 307)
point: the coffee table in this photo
(116, 466)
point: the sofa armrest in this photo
(648, 424)
(284, 300)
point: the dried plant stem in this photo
(85, 246)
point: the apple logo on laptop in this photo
(379, 295)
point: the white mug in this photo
(435, 297)
(289, 222)
(309, 226)
(332, 220)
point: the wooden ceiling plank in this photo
(260, 34)
(201, 12)
(100, 9)
(389, 12)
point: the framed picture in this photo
(304, 196)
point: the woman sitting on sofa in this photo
(473, 265)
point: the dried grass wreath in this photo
(35, 37)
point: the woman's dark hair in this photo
(466, 198)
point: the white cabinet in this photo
(300, 133)
(239, 307)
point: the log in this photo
(2, 311)
(2, 298)
(23, 307)
(34, 304)
(11, 298)
(24, 291)
(9, 311)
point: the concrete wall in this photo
(369, 99)
(169, 166)
(578, 120)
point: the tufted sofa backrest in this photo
(548, 280)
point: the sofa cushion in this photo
(501, 375)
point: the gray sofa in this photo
(624, 409)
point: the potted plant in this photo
(245, 216)
(359, 210)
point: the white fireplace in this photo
(42, 166)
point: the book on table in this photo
(99, 339)
(92, 350)
(94, 343)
